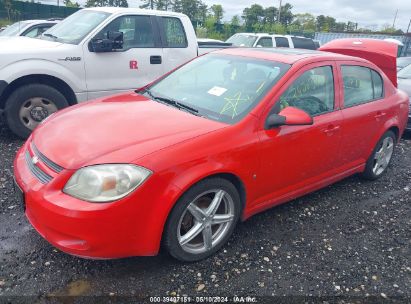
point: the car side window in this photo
(281, 42)
(312, 92)
(137, 31)
(36, 31)
(303, 43)
(174, 33)
(378, 85)
(361, 85)
(265, 42)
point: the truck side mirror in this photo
(114, 41)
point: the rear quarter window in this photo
(281, 42)
(303, 43)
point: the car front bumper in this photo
(129, 227)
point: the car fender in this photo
(391, 123)
(157, 219)
(27, 67)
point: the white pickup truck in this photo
(92, 53)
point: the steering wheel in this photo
(310, 104)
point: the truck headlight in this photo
(105, 183)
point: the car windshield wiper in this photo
(51, 36)
(174, 103)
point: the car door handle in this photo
(155, 59)
(331, 129)
(380, 114)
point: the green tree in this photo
(286, 16)
(305, 22)
(69, 3)
(196, 10)
(100, 3)
(8, 5)
(270, 14)
(235, 21)
(253, 16)
(163, 5)
(217, 12)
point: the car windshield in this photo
(242, 40)
(224, 88)
(13, 29)
(405, 72)
(73, 29)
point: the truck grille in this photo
(49, 163)
(42, 176)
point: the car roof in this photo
(285, 55)
(129, 10)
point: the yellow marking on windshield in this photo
(233, 103)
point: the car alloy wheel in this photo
(383, 156)
(206, 221)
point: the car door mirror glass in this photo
(289, 116)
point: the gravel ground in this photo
(348, 241)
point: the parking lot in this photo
(351, 239)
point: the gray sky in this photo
(372, 14)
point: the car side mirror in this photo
(289, 116)
(114, 41)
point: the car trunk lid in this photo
(382, 53)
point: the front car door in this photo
(138, 63)
(295, 157)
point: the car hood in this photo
(120, 129)
(19, 44)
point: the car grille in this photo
(42, 176)
(49, 163)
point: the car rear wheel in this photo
(202, 220)
(381, 156)
(28, 105)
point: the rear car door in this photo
(297, 156)
(364, 110)
(139, 62)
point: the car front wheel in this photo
(202, 220)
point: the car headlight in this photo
(105, 183)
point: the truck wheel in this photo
(28, 105)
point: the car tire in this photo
(181, 220)
(28, 105)
(381, 157)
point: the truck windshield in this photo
(73, 29)
(224, 88)
(242, 40)
(14, 29)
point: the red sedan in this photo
(226, 136)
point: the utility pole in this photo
(408, 28)
(395, 18)
(279, 13)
